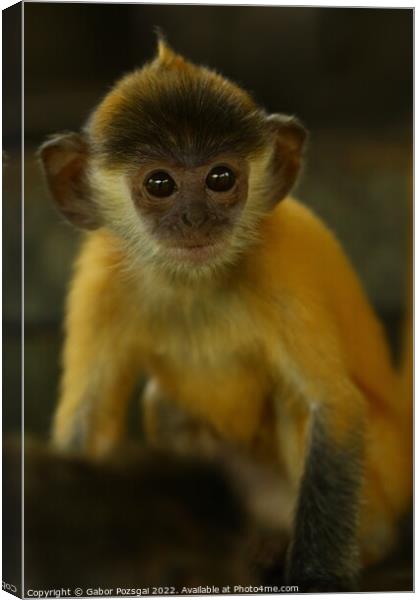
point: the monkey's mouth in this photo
(196, 252)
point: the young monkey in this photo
(237, 303)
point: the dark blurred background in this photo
(346, 73)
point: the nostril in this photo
(186, 220)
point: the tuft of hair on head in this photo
(166, 56)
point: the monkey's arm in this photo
(323, 555)
(332, 351)
(99, 368)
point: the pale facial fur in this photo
(119, 213)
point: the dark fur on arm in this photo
(323, 555)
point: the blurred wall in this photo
(347, 73)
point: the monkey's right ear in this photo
(64, 158)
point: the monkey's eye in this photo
(220, 179)
(160, 184)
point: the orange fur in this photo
(287, 325)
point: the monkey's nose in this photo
(193, 217)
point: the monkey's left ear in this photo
(289, 138)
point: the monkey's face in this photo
(179, 162)
(191, 212)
